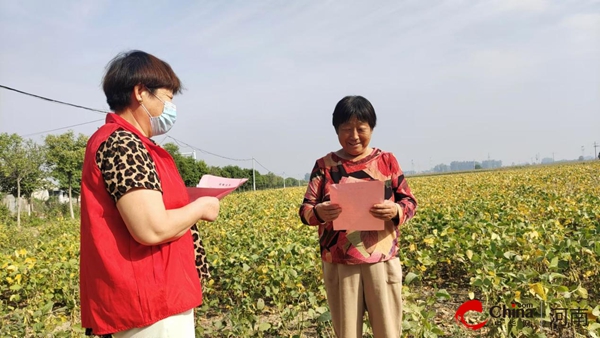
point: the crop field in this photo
(526, 238)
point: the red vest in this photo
(124, 284)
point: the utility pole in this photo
(253, 176)
(284, 180)
(595, 153)
(583, 152)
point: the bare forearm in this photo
(150, 223)
(183, 218)
(178, 223)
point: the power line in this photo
(208, 152)
(55, 101)
(179, 142)
(262, 166)
(163, 140)
(48, 131)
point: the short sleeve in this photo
(125, 163)
(402, 193)
(313, 196)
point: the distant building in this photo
(491, 164)
(466, 165)
(44, 195)
(10, 201)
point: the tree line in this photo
(191, 170)
(26, 167)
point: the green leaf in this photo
(324, 317)
(437, 331)
(321, 309)
(264, 326)
(594, 327)
(260, 304)
(409, 278)
(443, 294)
(48, 307)
(554, 263)
(555, 275)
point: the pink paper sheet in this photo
(356, 199)
(214, 186)
(211, 181)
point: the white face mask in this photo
(162, 123)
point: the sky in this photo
(449, 80)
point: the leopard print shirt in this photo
(125, 164)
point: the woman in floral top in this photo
(361, 268)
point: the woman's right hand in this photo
(209, 207)
(328, 211)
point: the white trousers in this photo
(177, 326)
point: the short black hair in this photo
(354, 107)
(129, 69)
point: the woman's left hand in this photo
(385, 211)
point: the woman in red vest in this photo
(137, 272)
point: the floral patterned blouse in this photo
(358, 247)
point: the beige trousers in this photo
(376, 288)
(177, 326)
